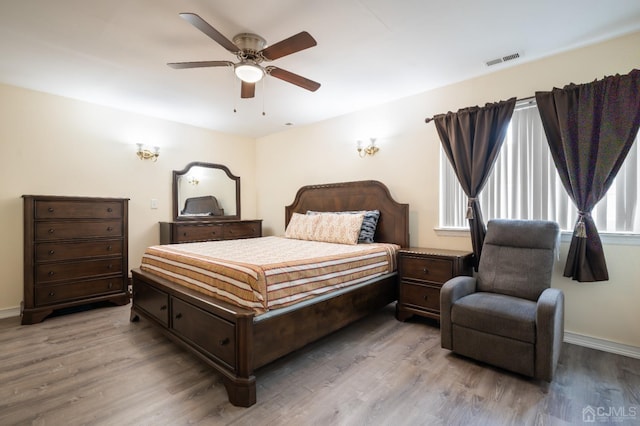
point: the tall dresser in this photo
(75, 253)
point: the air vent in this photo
(503, 59)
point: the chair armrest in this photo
(549, 332)
(451, 291)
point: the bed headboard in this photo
(393, 225)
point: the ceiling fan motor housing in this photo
(250, 45)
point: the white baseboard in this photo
(10, 312)
(602, 345)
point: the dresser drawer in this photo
(242, 230)
(212, 334)
(51, 272)
(189, 233)
(426, 269)
(49, 231)
(45, 295)
(80, 250)
(77, 210)
(420, 296)
(152, 301)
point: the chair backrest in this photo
(517, 257)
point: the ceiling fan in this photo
(251, 52)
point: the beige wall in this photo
(408, 163)
(56, 146)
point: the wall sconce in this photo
(193, 180)
(145, 154)
(370, 149)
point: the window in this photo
(524, 184)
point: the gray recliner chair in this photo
(507, 315)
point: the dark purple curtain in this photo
(472, 138)
(590, 129)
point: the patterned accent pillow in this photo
(325, 227)
(369, 223)
(301, 227)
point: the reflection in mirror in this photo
(206, 192)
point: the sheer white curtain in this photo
(524, 184)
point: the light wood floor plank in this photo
(95, 367)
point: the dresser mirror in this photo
(206, 192)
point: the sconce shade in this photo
(248, 72)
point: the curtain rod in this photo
(529, 99)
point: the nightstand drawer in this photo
(426, 269)
(420, 296)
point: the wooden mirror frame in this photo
(178, 173)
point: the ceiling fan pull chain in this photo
(235, 82)
(264, 95)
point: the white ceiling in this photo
(114, 52)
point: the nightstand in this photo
(421, 274)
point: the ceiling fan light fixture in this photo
(249, 73)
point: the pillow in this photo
(338, 228)
(325, 227)
(369, 223)
(301, 227)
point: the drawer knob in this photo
(51, 273)
(110, 285)
(426, 297)
(163, 307)
(51, 294)
(109, 209)
(425, 270)
(224, 341)
(178, 315)
(109, 248)
(109, 228)
(51, 230)
(184, 234)
(52, 251)
(50, 209)
(110, 266)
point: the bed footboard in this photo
(220, 334)
(232, 340)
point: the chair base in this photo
(512, 355)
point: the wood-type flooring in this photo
(97, 368)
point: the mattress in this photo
(267, 273)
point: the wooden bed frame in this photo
(236, 341)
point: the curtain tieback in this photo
(580, 230)
(470, 207)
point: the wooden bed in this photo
(236, 341)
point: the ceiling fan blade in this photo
(288, 46)
(248, 90)
(292, 78)
(199, 64)
(203, 26)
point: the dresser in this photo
(421, 274)
(193, 231)
(75, 253)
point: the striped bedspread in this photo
(269, 272)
